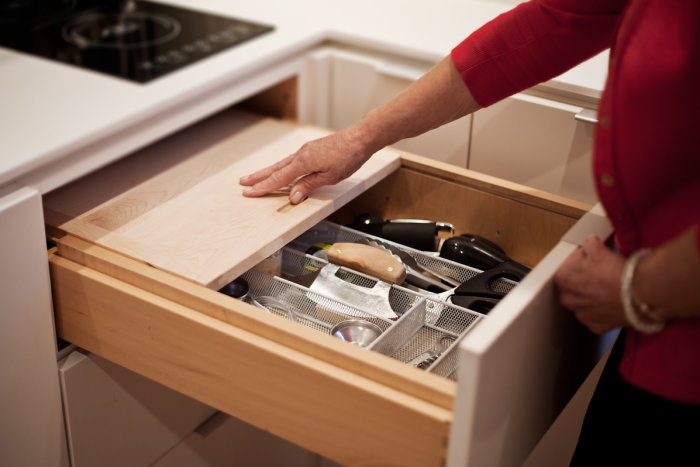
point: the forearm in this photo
(437, 98)
(668, 279)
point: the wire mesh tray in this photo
(328, 232)
(421, 324)
(446, 365)
(310, 308)
(417, 334)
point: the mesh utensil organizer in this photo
(421, 324)
(328, 232)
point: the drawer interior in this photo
(421, 324)
(526, 223)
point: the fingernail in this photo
(297, 197)
(244, 178)
(247, 191)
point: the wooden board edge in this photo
(371, 365)
(317, 405)
(494, 185)
(156, 257)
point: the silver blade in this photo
(375, 300)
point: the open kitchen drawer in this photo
(144, 244)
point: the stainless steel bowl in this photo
(237, 289)
(356, 332)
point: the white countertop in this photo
(49, 110)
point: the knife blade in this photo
(364, 259)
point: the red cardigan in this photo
(647, 150)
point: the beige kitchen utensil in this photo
(364, 259)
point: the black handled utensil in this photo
(476, 294)
(472, 251)
(418, 234)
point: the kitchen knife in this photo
(361, 258)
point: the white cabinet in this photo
(116, 417)
(535, 142)
(31, 420)
(526, 139)
(360, 82)
(224, 441)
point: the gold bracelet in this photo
(645, 309)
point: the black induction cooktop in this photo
(135, 40)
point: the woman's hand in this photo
(589, 285)
(325, 161)
(438, 97)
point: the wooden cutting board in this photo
(177, 204)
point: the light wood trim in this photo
(524, 224)
(370, 365)
(279, 101)
(494, 185)
(317, 405)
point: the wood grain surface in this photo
(364, 258)
(525, 222)
(177, 204)
(332, 411)
(371, 365)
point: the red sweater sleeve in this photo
(534, 42)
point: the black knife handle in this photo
(479, 304)
(417, 236)
(481, 285)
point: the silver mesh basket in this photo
(422, 328)
(311, 309)
(328, 232)
(425, 326)
(422, 321)
(428, 322)
(446, 364)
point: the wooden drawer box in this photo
(157, 314)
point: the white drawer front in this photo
(118, 418)
(225, 441)
(360, 83)
(521, 366)
(535, 142)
